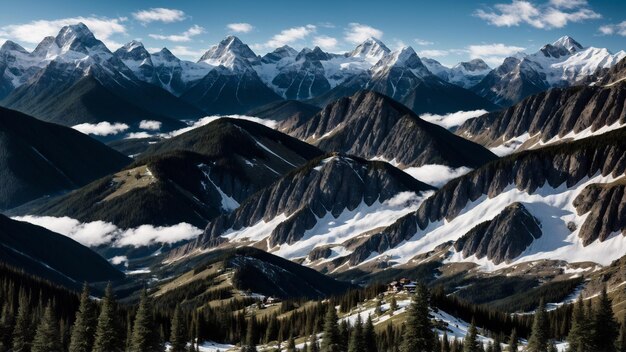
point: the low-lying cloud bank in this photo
(436, 175)
(202, 122)
(104, 128)
(96, 233)
(452, 119)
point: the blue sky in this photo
(449, 31)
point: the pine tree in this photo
(538, 341)
(22, 332)
(418, 335)
(291, 344)
(331, 338)
(393, 306)
(497, 344)
(552, 347)
(578, 338)
(313, 346)
(470, 343)
(145, 336)
(445, 343)
(250, 343)
(622, 336)
(489, 347)
(513, 342)
(178, 336)
(83, 331)
(107, 333)
(604, 327)
(47, 337)
(356, 339)
(369, 335)
(6, 327)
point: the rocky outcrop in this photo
(552, 166)
(371, 125)
(503, 238)
(330, 185)
(554, 113)
(605, 206)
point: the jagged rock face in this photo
(332, 185)
(550, 114)
(503, 238)
(303, 81)
(279, 54)
(371, 125)
(512, 81)
(611, 76)
(605, 205)
(554, 166)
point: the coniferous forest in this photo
(38, 316)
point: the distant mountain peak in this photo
(78, 37)
(475, 65)
(315, 54)
(404, 57)
(370, 48)
(230, 52)
(568, 43)
(12, 46)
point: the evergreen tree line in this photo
(40, 317)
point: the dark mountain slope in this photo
(370, 125)
(52, 256)
(289, 113)
(39, 158)
(192, 178)
(550, 114)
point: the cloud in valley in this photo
(96, 233)
(104, 128)
(452, 119)
(150, 125)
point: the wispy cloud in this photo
(159, 14)
(183, 37)
(240, 27)
(32, 32)
(422, 42)
(609, 29)
(553, 14)
(290, 35)
(357, 33)
(325, 42)
(493, 54)
(433, 53)
(185, 51)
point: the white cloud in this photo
(436, 175)
(290, 35)
(240, 27)
(89, 234)
(398, 44)
(32, 32)
(619, 29)
(159, 15)
(96, 233)
(452, 119)
(422, 42)
(183, 37)
(150, 125)
(357, 33)
(138, 135)
(325, 42)
(208, 119)
(433, 53)
(185, 51)
(554, 14)
(493, 54)
(104, 128)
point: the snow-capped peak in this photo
(405, 58)
(79, 38)
(133, 50)
(371, 48)
(315, 54)
(475, 65)
(12, 46)
(230, 52)
(568, 43)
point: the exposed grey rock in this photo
(503, 238)
(553, 113)
(605, 205)
(370, 125)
